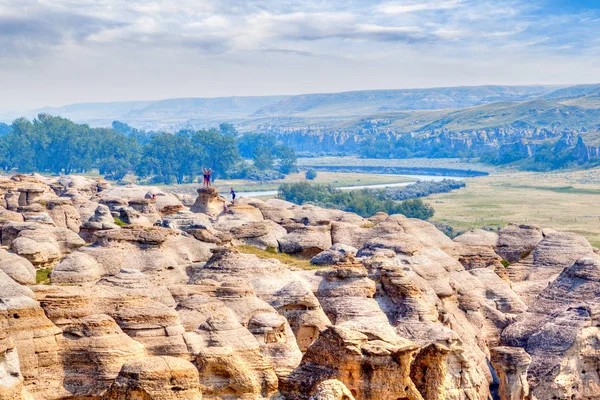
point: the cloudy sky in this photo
(55, 52)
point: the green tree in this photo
(288, 161)
(216, 151)
(310, 174)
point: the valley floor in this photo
(566, 201)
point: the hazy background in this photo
(55, 52)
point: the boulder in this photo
(511, 364)
(262, 234)
(156, 378)
(558, 332)
(237, 215)
(18, 268)
(101, 219)
(335, 254)
(307, 241)
(94, 349)
(515, 242)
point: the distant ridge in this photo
(447, 107)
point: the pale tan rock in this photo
(42, 245)
(307, 241)
(332, 389)
(63, 213)
(515, 242)
(101, 219)
(227, 355)
(237, 215)
(18, 268)
(511, 364)
(36, 341)
(156, 378)
(559, 332)
(93, 350)
(272, 282)
(262, 234)
(208, 202)
(556, 251)
(364, 364)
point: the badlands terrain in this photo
(150, 295)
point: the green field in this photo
(566, 201)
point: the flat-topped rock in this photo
(208, 202)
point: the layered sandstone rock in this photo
(511, 364)
(156, 378)
(208, 202)
(559, 332)
(390, 308)
(364, 364)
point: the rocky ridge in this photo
(169, 306)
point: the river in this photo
(433, 178)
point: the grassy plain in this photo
(566, 201)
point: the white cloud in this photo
(411, 7)
(128, 49)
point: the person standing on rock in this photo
(206, 173)
(232, 196)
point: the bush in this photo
(363, 202)
(310, 174)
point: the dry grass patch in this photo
(287, 259)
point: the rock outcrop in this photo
(177, 303)
(208, 202)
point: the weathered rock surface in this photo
(156, 378)
(389, 309)
(307, 241)
(364, 365)
(208, 202)
(18, 268)
(559, 332)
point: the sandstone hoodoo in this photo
(129, 292)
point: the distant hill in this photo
(173, 114)
(373, 101)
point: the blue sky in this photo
(55, 52)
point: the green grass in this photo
(42, 276)
(557, 189)
(119, 222)
(566, 201)
(287, 259)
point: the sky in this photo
(57, 52)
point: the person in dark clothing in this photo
(206, 174)
(232, 196)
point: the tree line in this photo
(363, 202)
(57, 145)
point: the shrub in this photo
(363, 202)
(310, 174)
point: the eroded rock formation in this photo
(148, 299)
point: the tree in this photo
(310, 174)
(216, 151)
(227, 129)
(287, 159)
